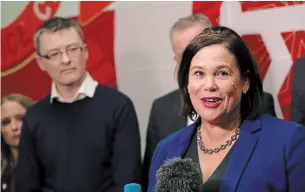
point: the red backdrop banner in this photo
(294, 41)
(20, 72)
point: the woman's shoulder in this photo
(280, 128)
(174, 142)
(275, 123)
(172, 138)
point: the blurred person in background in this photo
(298, 92)
(83, 136)
(13, 108)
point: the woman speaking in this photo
(237, 147)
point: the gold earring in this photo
(245, 91)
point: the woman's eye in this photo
(5, 122)
(19, 117)
(198, 73)
(222, 73)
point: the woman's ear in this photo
(246, 80)
(246, 86)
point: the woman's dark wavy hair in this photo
(7, 160)
(251, 102)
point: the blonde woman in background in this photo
(13, 108)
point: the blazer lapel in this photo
(241, 154)
(180, 144)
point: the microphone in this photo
(132, 187)
(179, 175)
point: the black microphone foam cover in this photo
(179, 175)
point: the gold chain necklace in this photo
(217, 149)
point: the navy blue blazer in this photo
(268, 156)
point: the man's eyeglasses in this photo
(70, 51)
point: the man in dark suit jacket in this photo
(298, 92)
(165, 117)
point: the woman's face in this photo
(215, 84)
(12, 113)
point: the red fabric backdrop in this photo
(20, 74)
(293, 39)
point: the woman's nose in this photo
(15, 125)
(209, 83)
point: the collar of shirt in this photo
(87, 89)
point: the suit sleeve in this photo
(126, 159)
(152, 139)
(28, 169)
(296, 161)
(269, 105)
(297, 88)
